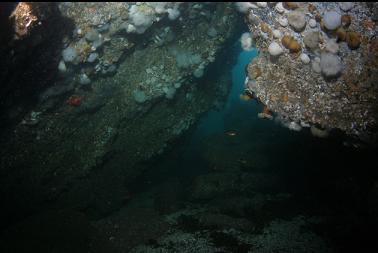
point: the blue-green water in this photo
(217, 122)
(233, 113)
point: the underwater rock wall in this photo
(129, 79)
(317, 64)
(30, 49)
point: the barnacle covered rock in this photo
(133, 63)
(329, 91)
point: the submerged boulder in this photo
(337, 87)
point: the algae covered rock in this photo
(329, 90)
(122, 114)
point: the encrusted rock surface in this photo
(103, 114)
(335, 91)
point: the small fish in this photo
(231, 133)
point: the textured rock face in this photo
(103, 115)
(337, 89)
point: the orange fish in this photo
(231, 133)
